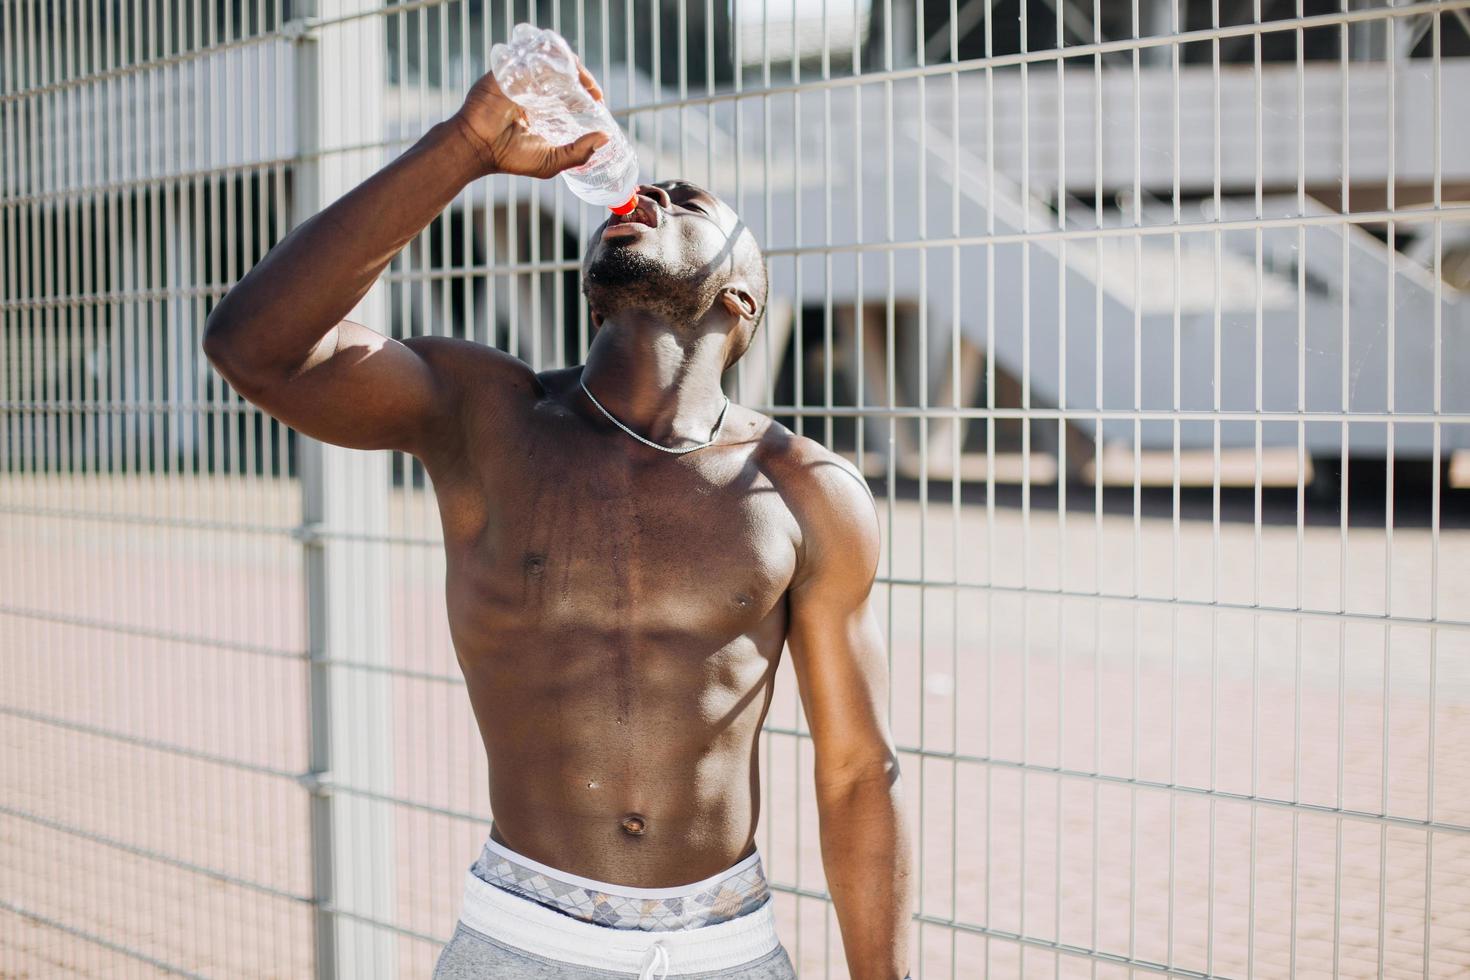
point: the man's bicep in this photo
(842, 673)
(355, 388)
(836, 643)
(364, 390)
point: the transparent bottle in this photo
(538, 72)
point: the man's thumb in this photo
(578, 152)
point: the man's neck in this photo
(661, 382)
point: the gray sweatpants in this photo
(472, 955)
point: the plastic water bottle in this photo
(538, 72)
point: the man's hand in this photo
(502, 139)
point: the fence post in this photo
(339, 102)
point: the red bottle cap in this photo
(625, 208)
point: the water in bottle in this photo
(538, 72)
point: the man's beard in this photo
(626, 278)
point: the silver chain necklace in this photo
(719, 424)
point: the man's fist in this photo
(497, 129)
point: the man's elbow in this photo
(859, 773)
(218, 340)
(225, 353)
(221, 351)
(228, 322)
(214, 345)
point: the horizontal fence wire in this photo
(1189, 722)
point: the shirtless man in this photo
(618, 608)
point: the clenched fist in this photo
(497, 129)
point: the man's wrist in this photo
(466, 149)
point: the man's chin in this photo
(624, 261)
(631, 272)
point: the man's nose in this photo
(658, 194)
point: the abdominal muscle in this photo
(666, 797)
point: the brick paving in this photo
(103, 836)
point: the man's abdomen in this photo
(645, 780)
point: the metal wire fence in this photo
(1147, 321)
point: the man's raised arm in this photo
(279, 337)
(841, 670)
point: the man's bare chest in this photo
(562, 537)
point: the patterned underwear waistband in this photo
(727, 895)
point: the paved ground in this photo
(104, 835)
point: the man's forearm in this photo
(867, 856)
(314, 276)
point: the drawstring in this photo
(657, 958)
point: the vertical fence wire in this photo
(1229, 754)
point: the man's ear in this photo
(596, 317)
(738, 301)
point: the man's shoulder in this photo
(556, 380)
(831, 502)
(799, 459)
(489, 391)
(474, 368)
(816, 482)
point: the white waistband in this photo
(627, 891)
(532, 928)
